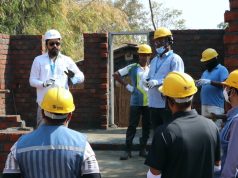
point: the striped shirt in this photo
(139, 97)
(52, 151)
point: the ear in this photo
(170, 101)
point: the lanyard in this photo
(163, 60)
(52, 67)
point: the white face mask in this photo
(225, 94)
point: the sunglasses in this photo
(54, 43)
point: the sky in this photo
(199, 14)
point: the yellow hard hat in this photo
(208, 54)
(232, 80)
(162, 32)
(58, 100)
(144, 49)
(178, 85)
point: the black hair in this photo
(54, 121)
(181, 106)
(170, 40)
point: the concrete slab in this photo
(112, 138)
(111, 167)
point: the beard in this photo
(53, 52)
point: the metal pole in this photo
(111, 82)
(111, 71)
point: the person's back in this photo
(57, 148)
(191, 141)
(53, 150)
(189, 145)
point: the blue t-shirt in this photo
(211, 95)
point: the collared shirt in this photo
(159, 68)
(211, 95)
(229, 142)
(43, 68)
(139, 97)
(186, 147)
(52, 151)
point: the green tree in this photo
(135, 13)
(70, 17)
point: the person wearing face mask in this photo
(53, 150)
(164, 62)
(139, 100)
(211, 96)
(229, 139)
(52, 69)
(189, 145)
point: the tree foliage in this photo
(70, 17)
(74, 17)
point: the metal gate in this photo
(119, 98)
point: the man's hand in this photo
(48, 82)
(130, 88)
(202, 82)
(69, 73)
(152, 83)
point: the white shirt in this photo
(42, 70)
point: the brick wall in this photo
(91, 98)
(16, 54)
(231, 36)
(8, 136)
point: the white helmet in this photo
(52, 34)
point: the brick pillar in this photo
(4, 72)
(231, 36)
(92, 102)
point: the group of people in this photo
(185, 144)
(53, 150)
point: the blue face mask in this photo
(160, 50)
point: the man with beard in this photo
(211, 95)
(52, 69)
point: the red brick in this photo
(103, 86)
(14, 137)
(231, 62)
(233, 27)
(4, 137)
(230, 16)
(104, 46)
(7, 146)
(228, 39)
(233, 4)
